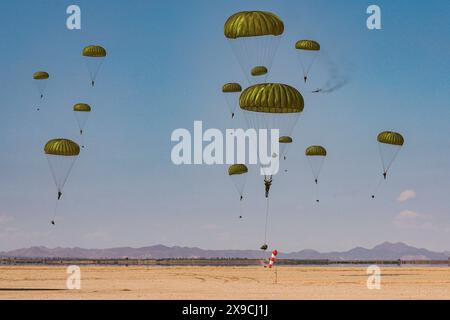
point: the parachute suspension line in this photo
(315, 174)
(270, 52)
(239, 57)
(261, 48)
(380, 181)
(266, 56)
(267, 221)
(98, 69)
(389, 164)
(303, 67)
(55, 211)
(41, 86)
(55, 169)
(389, 145)
(93, 72)
(252, 52)
(62, 182)
(240, 208)
(316, 187)
(311, 64)
(307, 68)
(382, 159)
(82, 139)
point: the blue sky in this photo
(166, 63)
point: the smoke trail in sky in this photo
(337, 77)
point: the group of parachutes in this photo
(254, 37)
(61, 153)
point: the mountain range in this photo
(384, 251)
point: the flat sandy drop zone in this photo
(99, 282)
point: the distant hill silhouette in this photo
(384, 251)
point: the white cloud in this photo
(406, 195)
(411, 219)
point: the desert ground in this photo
(113, 282)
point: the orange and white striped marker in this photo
(273, 258)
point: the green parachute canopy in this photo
(94, 51)
(390, 137)
(61, 155)
(310, 45)
(285, 142)
(62, 147)
(253, 24)
(231, 87)
(316, 156)
(316, 151)
(82, 107)
(94, 56)
(271, 98)
(389, 145)
(285, 139)
(40, 75)
(254, 37)
(258, 71)
(41, 78)
(237, 169)
(82, 112)
(307, 52)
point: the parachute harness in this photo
(267, 184)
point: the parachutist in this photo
(264, 247)
(81, 131)
(59, 195)
(317, 200)
(284, 157)
(373, 196)
(92, 83)
(240, 217)
(305, 78)
(42, 96)
(315, 180)
(242, 198)
(267, 184)
(232, 115)
(53, 222)
(389, 139)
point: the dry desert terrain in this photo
(113, 282)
